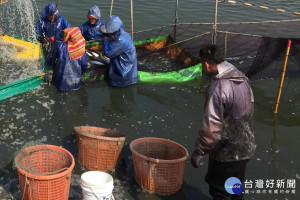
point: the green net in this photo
(26, 84)
(160, 59)
(17, 87)
(180, 76)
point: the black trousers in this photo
(219, 172)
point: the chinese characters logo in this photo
(233, 186)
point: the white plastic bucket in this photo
(97, 185)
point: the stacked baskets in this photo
(158, 164)
(99, 148)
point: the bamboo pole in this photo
(131, 9)
(111, 7)
(175, 19)
(275, 140)
(282, 75)
(225, 45)
(214, 35)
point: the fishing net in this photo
(170, 53)
(24, 63)
(258, 49)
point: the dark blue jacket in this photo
(123, 61)
(92, 31)
(66, 73)
(43, 25)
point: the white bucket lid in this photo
(97, 179)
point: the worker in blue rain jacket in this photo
(51, 24)
(70, 60)
(119, 47)
(91, 28)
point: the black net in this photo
(258, 49)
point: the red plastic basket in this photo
(99, 148)
(158, 164)
(44, 172)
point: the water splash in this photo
(18, 18)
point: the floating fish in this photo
(95, 54)
(96, 62)
(98, 56)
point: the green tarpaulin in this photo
(17, 87)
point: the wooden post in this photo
(175, 19)
(282, 75)
(225, 45)
(131, 8)
(214, 34)
(111, 7)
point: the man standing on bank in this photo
(226, 132)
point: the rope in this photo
(191, 38)
(221, 23)
(32, 188)
(260, 7)
(161, 27)
(239, 34)
(260, 22)
(25, 185)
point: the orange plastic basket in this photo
(158, 164)
(44, 172)
(99, 148)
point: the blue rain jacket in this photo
(43, 24)
(92, 31)
(66, 73)
(123, 62)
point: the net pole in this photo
(131, 9)
(225, 45)
(282, 75)
(111, 7)
(214, 35)
(55, 32)
(275, 140)
(175, 19)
